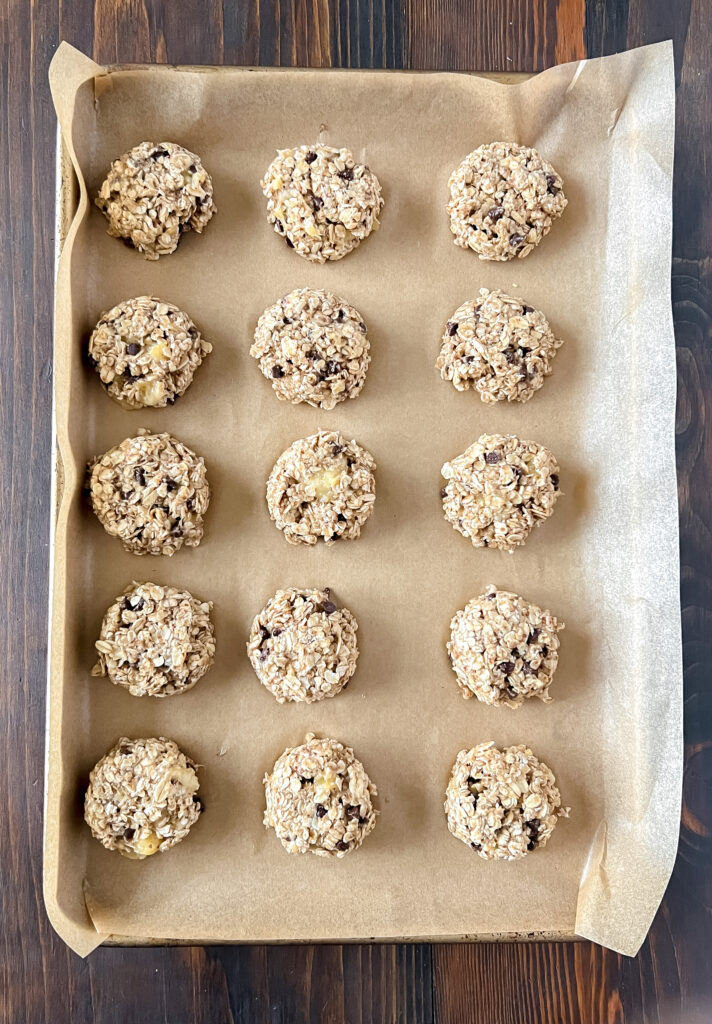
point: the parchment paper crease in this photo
(607, 562)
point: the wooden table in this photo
(670, 980)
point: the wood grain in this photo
(669, 981)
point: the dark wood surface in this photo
(670, 980)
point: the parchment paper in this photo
(607, 562)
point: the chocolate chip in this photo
(493, 457)
(320, 810)
(304, 779)
(276, 632)
(125, 749)
(129, 833)
(334, 536)
(527, 309)
(333, 369)
(310, 157)
(471, 780)
(157, 153)
(516, 240)
(506, 667)
(533, 636)
(265, 634)
(280, 226)
(192, 168)
(286, 320)
(353, 811)
(544, 650)
(170, 485)
(551, 185)
(511, 693)
(139, 605)
(189, 504)
(328, 607)
(509, 355)
(133, 349)
(555, 481)
(140, 476)
(277, 372)
(289, 242)
(341, 518)
(527, 669)
(443, 492)
(522, 351)
(515, 653)
(452, 327)
(337, 449)
(199, 803)
(316, 201)
(125, 604)
(495, 213)
(341, 845)
(340, 315)
(347, 174)
(475, 845)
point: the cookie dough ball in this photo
(155, 641)
(499, 489)
(502, 803)
(499, 346)
(321, 200)
(322, 487)
(503, 200)
(320, 799)
(302, 647)
(155, 193)
(146, 352)
(312, 347)
(142, 797)
(504, 649)
(151, 491)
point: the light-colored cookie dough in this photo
(502, 803)
(312, 347)
(155, 641)
(302, 647)
(499, 489)
(322, 487)
(142, 797)
(155, 193)
(499, 346)
(503, 200)
(146, 352)
(151, 492)
(504, 649)
(321, 200)
(320, 799)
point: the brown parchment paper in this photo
(607, 562)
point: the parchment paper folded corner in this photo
(607, 562)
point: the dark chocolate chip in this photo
(516, 240)
(157, 153)
(443, 492)
(334, 536)
(320, 810)
(337, 449)
(551, 185)
(509, 355)
(280, 226)
(189, 504)
(139, 605)
(140, 476)
(328, 607)
(341, 518)
(515, 653)
(310, 157)
(353, 811)
(341, 845)
(199, 803)
(507, 667)
(129, 833)
(452, 327)
(544, 650)
(475, 845)
(276, 632)
(522, 351)
(277, 372)
(333, 369)
(305, 779)
(555, 481)
(495, 213)
(289, 242)
(347, 174)
(340, 315)
(133, 349)
(192, 168)
(170, 485)
(265, 634)
(533, 636)
(316, 201)
(527, 669)
(286, 320)
(527, 309)
(511, 693)
(125, 749)
(493, 457)
(362, 327)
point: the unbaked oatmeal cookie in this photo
(146, 352)
(302, 646)
(503, 200)
(503, 649)
(321, 200)
(502, 803)
(312, 347)
(499, 489)
(499, 346)
(322, 487)
(142, 797)
(155, 641)
(155, 193)
(320, 799)
(150, 491)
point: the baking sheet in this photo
(607, 561)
